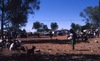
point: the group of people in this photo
(83, 35)
(14, 34)
(11, 44)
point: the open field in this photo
(60, 49)
(60, 44)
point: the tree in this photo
(86, 26)
(2, 16)
(45, 28)
(18, 10)
(40, 26)
(54, 26)
(15, 12)
(75, 26)
(78, 27)
(91, 15)
(36, 25)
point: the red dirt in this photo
(80, 48)
(60, 46)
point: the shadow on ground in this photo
(53, 41)
(48, 57)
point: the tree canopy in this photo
(91, 15)
(54, 26)
(36, 25)
(16, 11)
(75, 26)
(40, 26)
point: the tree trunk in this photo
(2, 20)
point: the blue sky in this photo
(64, 12)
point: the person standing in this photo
(73, 36)
(51, 34)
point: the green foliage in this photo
(86, 26)
(54, 26)
(75, 26)
(91, 15)
(40, 26)
(16, 11)
(36, 25)
(45, 28)
(78, 27)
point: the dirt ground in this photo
(58, 49)
(60, 44)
